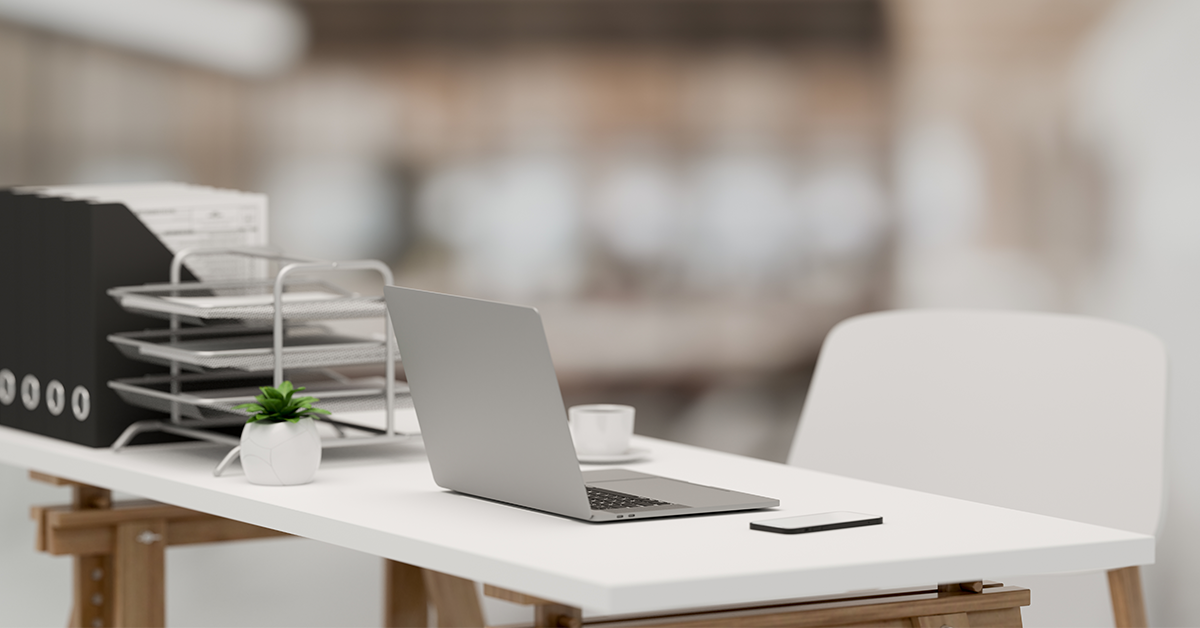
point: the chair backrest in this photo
(1053, 414)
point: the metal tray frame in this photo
(193, 428)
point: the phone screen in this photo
(817, 522)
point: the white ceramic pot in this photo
(281, 454)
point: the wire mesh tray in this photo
(355, 403)
(252, 301)
(248, 349)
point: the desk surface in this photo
(382, 500)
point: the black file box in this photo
(58, 258)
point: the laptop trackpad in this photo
(673, 491)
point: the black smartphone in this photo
(816, 523)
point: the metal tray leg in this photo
(141, 427)
(229, 458)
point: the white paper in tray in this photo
(251, 299)
(405, 421)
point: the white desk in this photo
(382, 500)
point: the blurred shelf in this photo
(338, 26)
(687, 340)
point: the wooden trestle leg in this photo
(139, 578)
(119, 551)
(545, 612)
(91, 603)
(119, 554)
(407, 605)
(455, 599)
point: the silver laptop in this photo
(494, 424)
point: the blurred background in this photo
(691, 191)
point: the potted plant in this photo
(280, 443)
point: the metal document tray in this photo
(355, 403)
(248, 349)
(251, 302)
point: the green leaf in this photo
(281, 404)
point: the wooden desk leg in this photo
(93, 592)
(93, 574)
(1125, 587)
(407, 605)
(92, 599)
(456, 600)
(546, 614)
(139, 590)
(119, 551)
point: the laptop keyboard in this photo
(603, 499)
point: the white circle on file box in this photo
(8, 387)
(31, 392)
(56, 397)
(81, 403)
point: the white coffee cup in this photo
(601, 429)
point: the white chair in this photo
(1053, 414)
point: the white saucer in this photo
(632, 455)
